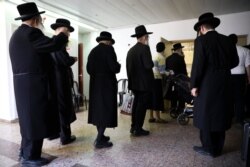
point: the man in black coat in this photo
(238, 77)
(139, 66)
(102, 66)
(214, 56)
(176, 62)
(62, 77)
(29, 52)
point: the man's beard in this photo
(146, 42)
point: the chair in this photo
(78, 98)
(122, 89)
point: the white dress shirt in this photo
(244, 60)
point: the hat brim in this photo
(212, 21)
(178, 48)
(26, 17)
(140, 35)
(56, 25)
(98, 39)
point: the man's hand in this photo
(63, 30)
(76, 58)
(194, 92)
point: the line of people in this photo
(214, 57)
(41, 74)
(42, 83)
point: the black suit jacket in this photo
(176, 63)
(214, 56)
(139, 68)
(31, 61)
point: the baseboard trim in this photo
(9, 121)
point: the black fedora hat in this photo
(140, 31)
(207, 18)
(27, 11)
(177, 46)
(62, 23)
(104, 35)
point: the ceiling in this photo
(113, 14)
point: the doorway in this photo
(188, 51)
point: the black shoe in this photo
(102, 144)
(53, 137)
(35, 163)
(68, 140)
(105, 138)
(140, 132)
(132, 130)
(202, 151)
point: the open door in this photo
(168, 47)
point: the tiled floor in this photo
(169, 145)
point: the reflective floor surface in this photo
(168, 145)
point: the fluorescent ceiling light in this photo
(55, 15)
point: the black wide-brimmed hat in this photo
(27, 11)
(207, 18)
(62, 23)
(140, 31)
(177, 46)
(104, 35)
(160, 47)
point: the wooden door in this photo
(80, 67)
(168, 47)
(242, 40)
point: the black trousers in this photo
(100, 134)
(212, 142)
(239, 87)
(31, 149)
(65, 132)
(247, 101)
(142, 102)
(179, 104)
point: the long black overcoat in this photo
(30, 57)
(214, 56)
(63, 85)
(139, 67)
(102, 66)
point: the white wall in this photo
(7, 103)
(8, 12)
(237, 23)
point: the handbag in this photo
(127, 105)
